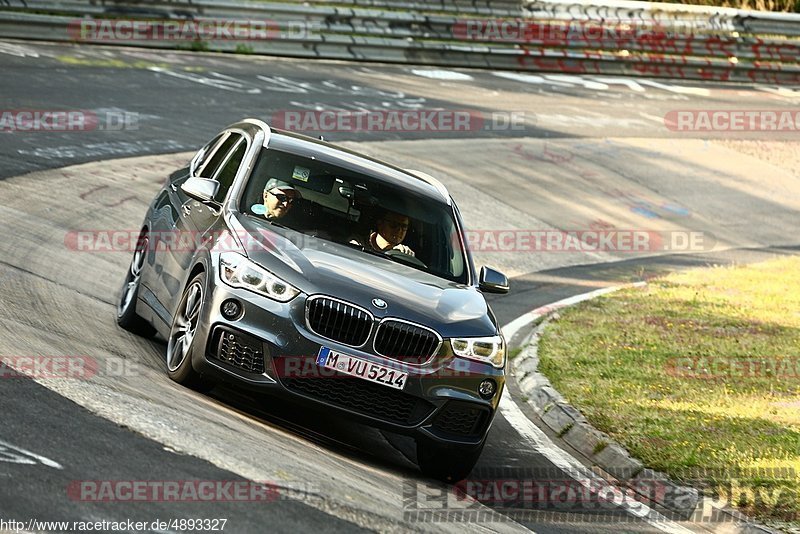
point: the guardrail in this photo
(582, 37)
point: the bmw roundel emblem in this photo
(379, 303)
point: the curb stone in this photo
(599, 449)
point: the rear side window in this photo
(205, 152)
(216, 159)
(228, 171)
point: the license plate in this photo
(350, 365)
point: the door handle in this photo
(187, 209)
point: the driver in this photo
(278, 198)
(389, 234)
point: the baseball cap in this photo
(274, 183)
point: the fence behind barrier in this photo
(581, 37)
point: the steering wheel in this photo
(408, 259)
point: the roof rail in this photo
(261, 124)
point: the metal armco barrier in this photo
(619, 37)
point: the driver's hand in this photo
(404, 249)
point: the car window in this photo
(204, 153)
(227, 173)
(212, 165)
(346, 207)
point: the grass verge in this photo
(696, 374)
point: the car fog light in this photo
(487, 389)
(231, 309)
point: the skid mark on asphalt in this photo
(119, 202)
(83, 195)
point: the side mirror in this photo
(202, 189)
(492, 281)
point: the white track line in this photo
(8, 450)
(542, 444)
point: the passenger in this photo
(278, 198)
(389, 234)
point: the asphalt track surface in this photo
(329, 475)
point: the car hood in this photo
(318, 266)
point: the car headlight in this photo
(238, 271)
(483, 349)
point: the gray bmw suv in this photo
(281, 262)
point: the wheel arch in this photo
(197, 269)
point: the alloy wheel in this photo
(184, 326)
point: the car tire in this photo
(127, 317)
(181, 342)
(448, 463)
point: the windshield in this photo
(340, 205)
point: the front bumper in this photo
(270, 348)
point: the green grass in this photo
(696, 371)
(513, 353)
